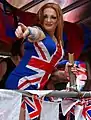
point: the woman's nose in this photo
(48, 19)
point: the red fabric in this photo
(75, 38)
(24, 17)
(3, 36)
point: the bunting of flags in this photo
(41, 108)
(33, 105)
(79, 108)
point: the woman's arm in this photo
(33, 33)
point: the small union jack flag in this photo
(33, 105)
(87, 112)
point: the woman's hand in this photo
(22, 31)
(73, 68)
(77, 70)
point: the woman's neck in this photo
(54, 39)
(51, 34)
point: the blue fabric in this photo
(63, 62)
(21, 70)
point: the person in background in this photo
(60, 77)
(8, 64)
(43, 49)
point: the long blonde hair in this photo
(59, 28)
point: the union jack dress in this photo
(36, 66)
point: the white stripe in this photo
(62, 52)
(38, 52)
(40, 74)
(45, 51)
(39, 59)
(35, 69)
(28, 84)
(21, 81)
(35, 107)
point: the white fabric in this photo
(78, 112)
(10, 103)
(80, 81)
(27, 115)
(40, 93)
(66, 105)
(50, 111)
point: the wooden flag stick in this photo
(71, 58)
(71, 74)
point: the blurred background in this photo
(78, 11)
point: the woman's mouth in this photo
(49, 25)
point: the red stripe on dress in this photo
(42, 52)
(28, 81)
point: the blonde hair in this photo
(59, 28)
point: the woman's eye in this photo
(53, 17)
(45, 16)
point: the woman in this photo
(8, 64)
(43, 49)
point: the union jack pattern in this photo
(43, 65)
(87, 110)
(33, 105)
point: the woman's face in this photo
(50, 19)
